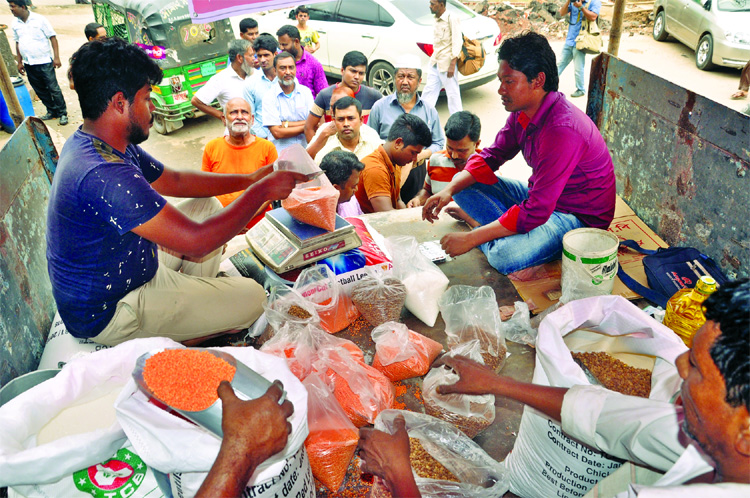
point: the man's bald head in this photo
(238, 117)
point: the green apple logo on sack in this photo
(119, 476)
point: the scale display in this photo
(284, 243)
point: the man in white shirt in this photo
(447, 43)
(345, 132)
(713, 411)
(33, 35)
(256, 86)
(285, 107)
(229, 83)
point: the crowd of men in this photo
(125, 263)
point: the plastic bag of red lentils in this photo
(401, 353)
(300, 347)
(361, 390)
(313, 202)
(333, 438)
(318, 285)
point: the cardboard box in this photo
(540, 285)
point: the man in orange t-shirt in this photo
(239, 151)
(379, 186)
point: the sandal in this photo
(739, 95)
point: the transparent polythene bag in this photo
(401, 353)
(318, 284)
(279, 304)
(424, 281)
(472, 313)
(313, 202)
(480, 475)
(300, 347)
(470, 413)
(379, 296)
(332, 439)
(361, 390)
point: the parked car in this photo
(383, 30)
(718, 30)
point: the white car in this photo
(383, 30)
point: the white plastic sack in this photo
(124, 475)
(545, 462)
(295, 480)
(424, 281)
(171, 444)
(480, 475)
(61, 347)
(22, 461)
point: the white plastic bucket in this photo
(589, 263)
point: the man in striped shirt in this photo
(462, 132)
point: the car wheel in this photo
(382, 77)
(660, 24)
(704, 53)
(160, 125)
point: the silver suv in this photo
(718, 30)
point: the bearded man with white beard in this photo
(239, 151)
(228, 83)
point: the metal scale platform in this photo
(285, 244)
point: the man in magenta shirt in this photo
(572, 184)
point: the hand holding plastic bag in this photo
(470, 413)
(480, 476)
(313, 202)
(401, 353)
(424, 281)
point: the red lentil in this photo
(330, 452)
(311, 206)
(186, 379)
(414, 366)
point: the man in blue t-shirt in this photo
(123, 262)
(578, 9)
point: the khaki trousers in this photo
(185, 300)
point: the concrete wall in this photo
(681, 160)
(27, 307)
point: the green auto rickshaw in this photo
(189, 54)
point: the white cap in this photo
(408, 61)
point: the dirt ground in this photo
(183, 148)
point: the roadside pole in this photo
(615, 32)
(9, 93)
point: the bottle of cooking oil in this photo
(684, 314)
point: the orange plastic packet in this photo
(401, 353)
(318, 284)
(362, 391)
(333, 438)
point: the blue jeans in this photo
(486, 203)
(570, 52)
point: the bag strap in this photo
(650, 294)
(632, 284)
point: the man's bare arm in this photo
(187, 183)
(311, 125)
(205, 108)
(172, 229)
(293, 129)
(381, 203)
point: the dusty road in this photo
(670, 60)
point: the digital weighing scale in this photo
(284, 243)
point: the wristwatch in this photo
(286, 124)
